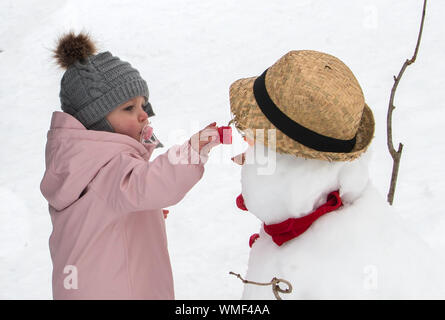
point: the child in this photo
(105, 197)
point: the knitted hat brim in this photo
(247, 115)
(98, 109)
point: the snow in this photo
(297, 186)
(190, 52)
(363, 250)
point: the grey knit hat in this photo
(94, 85)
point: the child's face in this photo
(129, 118)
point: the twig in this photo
(397, 154)
(274, 283)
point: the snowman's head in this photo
(276, 186)
(308, 104)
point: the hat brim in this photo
(248, 117)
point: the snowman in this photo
(324, 226)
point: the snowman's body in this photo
(360, 251)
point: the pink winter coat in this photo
(105, 200)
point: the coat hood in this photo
(74, 156)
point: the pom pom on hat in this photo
(71, 48)
(93, 84)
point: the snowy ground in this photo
(189, 52)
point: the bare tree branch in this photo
(397, 154)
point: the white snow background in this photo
(190, 52)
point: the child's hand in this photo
(205, 139)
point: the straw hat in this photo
(313, 100)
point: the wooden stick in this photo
(274, 283)
(397, 154)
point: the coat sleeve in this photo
(132, 184)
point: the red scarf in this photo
(293, 227)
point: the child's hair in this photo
(94, 84)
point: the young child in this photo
(105, 197)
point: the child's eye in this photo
(129, 108)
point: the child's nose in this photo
(143, 116)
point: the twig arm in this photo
(396, 155)
(274, 283)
